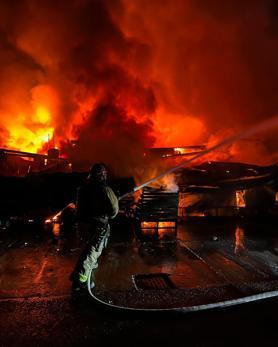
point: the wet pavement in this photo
(207, 262)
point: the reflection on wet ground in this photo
(239, 241)
(37, 265)
(210, 262)
(206, 261)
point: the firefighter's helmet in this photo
(98, 172)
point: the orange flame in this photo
(158, 66)
(30, 138)
(239, 241)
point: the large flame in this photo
(30, 127)
(30, 137)
(103, 78)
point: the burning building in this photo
(18, 163)
(227, 189)
(140, 85)
(121, 76)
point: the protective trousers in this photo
(99, 234)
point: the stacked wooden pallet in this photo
(157, 210)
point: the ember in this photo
(240, 202)
(62, 215)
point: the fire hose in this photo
(188, 309)
(270, 123)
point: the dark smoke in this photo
(217, 59)
(134, 73)
(111, 134)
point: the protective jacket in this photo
(96, 201)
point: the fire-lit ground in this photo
(223, 258)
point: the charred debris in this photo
(210, 190)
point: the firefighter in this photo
(96, 204)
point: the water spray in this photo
(270, 123)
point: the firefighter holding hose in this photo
(96, 204)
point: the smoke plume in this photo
(103, 79)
